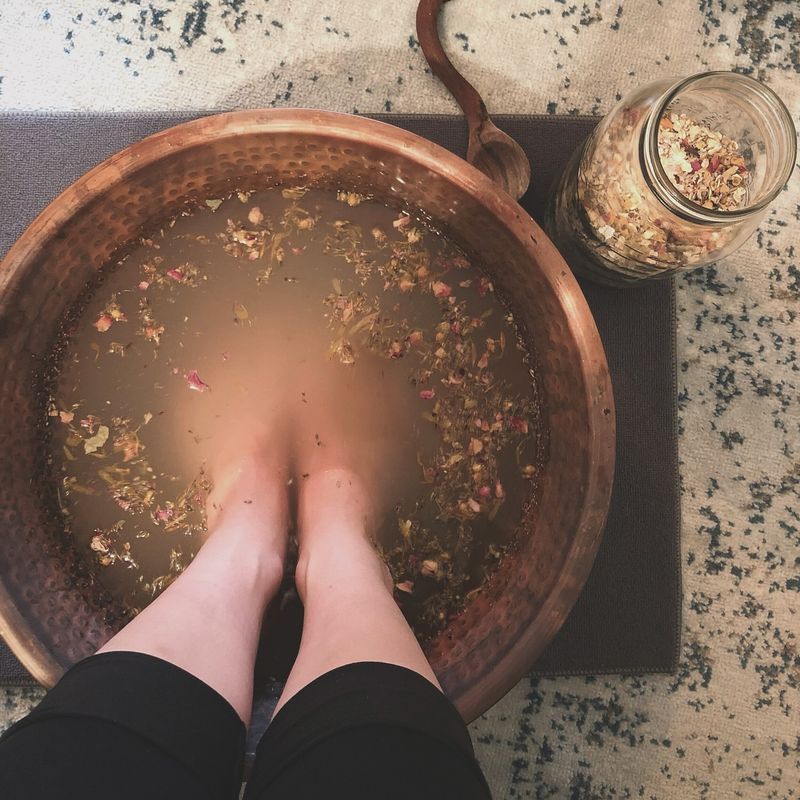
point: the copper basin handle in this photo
(493, 152)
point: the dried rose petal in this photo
(195, 382)
(441, 289)
(695, 165)
(164, 514)
(104, 322)
(519, 424)
(175, 274)
(405, 586)
(66, 416)
(485, 492)
(474, 505)
(427, 394)
(144, 285)
(153, 333)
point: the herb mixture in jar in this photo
(629, 222)
(333, 311)
(703, 164)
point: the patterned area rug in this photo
(727, 725)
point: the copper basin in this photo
(51, 612)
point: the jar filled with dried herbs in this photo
(676, 176)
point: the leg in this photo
(350, 613)
(208, 621)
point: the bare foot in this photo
(335, 533)
(249, 505)
(349, 418)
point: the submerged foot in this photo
(335, 529)
(249, 503)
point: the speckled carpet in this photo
(728, 724)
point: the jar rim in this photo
(657, 177)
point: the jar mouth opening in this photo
(665, 189)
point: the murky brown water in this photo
(340, 326)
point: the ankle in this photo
(345, 563)
(254, 565)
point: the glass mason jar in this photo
(619, 216)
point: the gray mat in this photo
(628, 617)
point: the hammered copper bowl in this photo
(52, 614)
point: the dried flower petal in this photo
(441, 289)
(475, 446)
(429, 568)
(427, 394)
(484, 286)
(104, 322)
(94, 443)
(195, 382)
(240, 313)
(164, 514)
(518, 424)
(294, 192)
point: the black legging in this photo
(127, 725)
